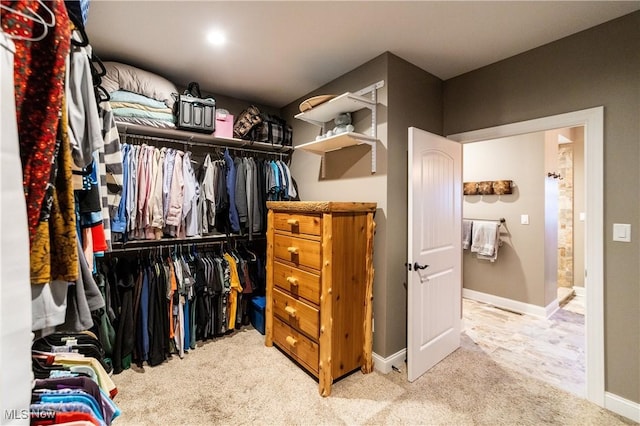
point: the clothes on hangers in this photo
(55, 71)
(39, 73)
(72, 375)
(164, 196)
(168, 303)
(15, 314)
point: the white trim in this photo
(551, 308)
(385, 365)
(593, 121)
(624, 407)
(580, 291)
(512, 305)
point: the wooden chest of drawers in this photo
(320, 286)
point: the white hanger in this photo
(34, 18)
(51, 14)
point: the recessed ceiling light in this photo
(217, 38)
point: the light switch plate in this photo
(524, 219)
(622, 232)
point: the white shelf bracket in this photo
(372, 145)
(322, 167)
(373, 89)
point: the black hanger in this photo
(77, 22)
(101, 94)
(41, 370)
(95, 59)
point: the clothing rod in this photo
(501, 220)
(139, 245)
(196, 139)
(161, 247)
(201, 144)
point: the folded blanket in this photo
(136, 98)
(134, 112)
(146, 122)
(118, 104)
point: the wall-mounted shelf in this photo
(340, 141)
(335, 142)
(327, 111)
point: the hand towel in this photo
(467, 226)
(485, 239)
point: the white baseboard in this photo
(385, 365)
(512, 305)
(580, 291)
(624, 407)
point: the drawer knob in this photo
(293, 281)
(292, 250)
(290, 310)
(291, 341)
(293, 222)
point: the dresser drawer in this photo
(297, 282)
(297, 251)
(297, 223)
(302, 349)
(296, 313)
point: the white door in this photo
(434, 250)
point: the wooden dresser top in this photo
(320, 206)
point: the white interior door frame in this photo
(593, 121)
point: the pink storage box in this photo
(224, 125)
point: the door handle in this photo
(417, 266)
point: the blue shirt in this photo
(231, 190)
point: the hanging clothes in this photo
(15, 311)
(39, 74)
(231, 191)
(164, 305)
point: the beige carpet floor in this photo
(236, 380)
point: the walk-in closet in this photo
(286, 212)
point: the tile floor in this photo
(551, 349)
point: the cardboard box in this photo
(224, 125)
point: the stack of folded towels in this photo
(139, 109)
(139, 96)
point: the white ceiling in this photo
(278, 51)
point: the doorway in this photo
(534, 266)
(564, 169)
(593, 122)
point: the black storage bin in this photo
(195, 114)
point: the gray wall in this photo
(410, 97)
(415, 99)
(599, 66)
(348, 174)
